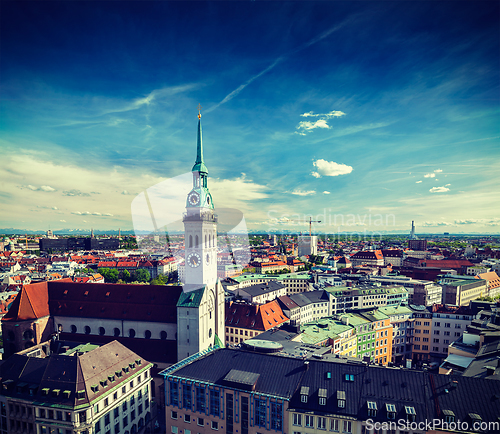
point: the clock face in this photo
(194, 260)
(194, 198)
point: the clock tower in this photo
(200, 308)
(200, 227)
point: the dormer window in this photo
(372, 408)
(410, 413)
(322, 394)
(304, 393)
(391, 411)
(349, 377)
(449, 416)
(341, 398)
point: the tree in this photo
(125, 275)
(143, 275)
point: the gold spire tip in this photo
(199, 111)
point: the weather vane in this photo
(199, 111)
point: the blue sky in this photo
(363, 115)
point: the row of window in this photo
(117, 332)
(322, 423)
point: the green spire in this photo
(199, 165)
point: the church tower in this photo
(201, 308)
(200, 227)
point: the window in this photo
(174, 430)
(215, 425)
(437, 324)
(457, 326)
(276, 416)
(436, 332)
(200, 399)
(334, 425)
(124, 421)
(173, 414)
(124, 406)
(309, 421)
(321, 422)
(187, 418)
(372, 408)
(260, 411)
(426, 332)
(201, 422)
(174, 393)
(117, 428)
(297, 419)
(447, 325)
(106, 419)
(186, 396)
(347, 426)
(391, 411)
(214, 403)
(116, 412)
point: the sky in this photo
(362, 115)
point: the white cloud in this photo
(309, 126)
(330, 168)
(418, 182)
(439, 189)
(332, 114)
(63, 221)
(430, 175)
(447, 185)
(435, 224)
(125, 192)
(46, 188)
(298, 192)
(326, 192)
(55, 207)
(438, 171)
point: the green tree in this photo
(143, 275)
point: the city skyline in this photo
(385, 112)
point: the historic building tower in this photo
(200, 310)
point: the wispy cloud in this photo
(439, 189)
(332, 114)
(299, 192)
(278, 60)
(418, 182)
(326, 192)
(330, 168)
(430, 175)
(46, 188)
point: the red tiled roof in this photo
(31, 303)
(254, 317)
(491, 277)
(106, 264)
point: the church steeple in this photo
(199, 165)
(199, 197)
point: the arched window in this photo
(116, 332)
(196, 242)
(210, 333)
(131, 333)
(190, 241)
(28, 335)
(147, 334)
(163, 335)
(206, 241)
(87, 330)
(73, 328)
(102, 331)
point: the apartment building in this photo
(63, 388)
(422, 332)
(448, 325)
(306, 306)
(366, 296)
(400, 318)
(461, 290)
(420, 292)
(237, 391)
